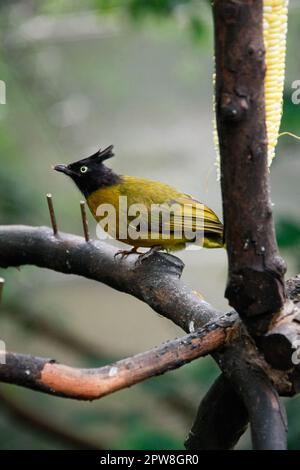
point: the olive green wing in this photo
(180, 219)
(199, 217)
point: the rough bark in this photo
(221, 420)
(156, 281)
(50, 377)
(255, 281)
(255, 386)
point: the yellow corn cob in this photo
(275, 29)
(275, 13)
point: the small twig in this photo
(84, 221)
(52, 214)
(88, 384)
(2, 282)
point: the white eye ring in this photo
(83, 169)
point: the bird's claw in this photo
(143, 256)
(125, 253)
(122, 253)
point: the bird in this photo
(159, 227)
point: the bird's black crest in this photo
(102, 155)
(95, 175)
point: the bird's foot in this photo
(148, 254)
(124, 253)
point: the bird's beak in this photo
(62, 168)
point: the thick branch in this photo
(248, 374)
(40, 325)
(255, 285)
(87, 384)
(281, 343)
(221, 419)
(156, 281)
(221, 416)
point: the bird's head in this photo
(90, 174)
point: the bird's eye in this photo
(83, 169)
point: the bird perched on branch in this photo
(146, 213)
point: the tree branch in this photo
(281, 343)
(88, 384)
(221, 419)
(41, 325)
(248, 376)
(255, 284)
(252, 386)
(156, 281)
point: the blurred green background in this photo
(81, 74)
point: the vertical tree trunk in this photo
(255, 281)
